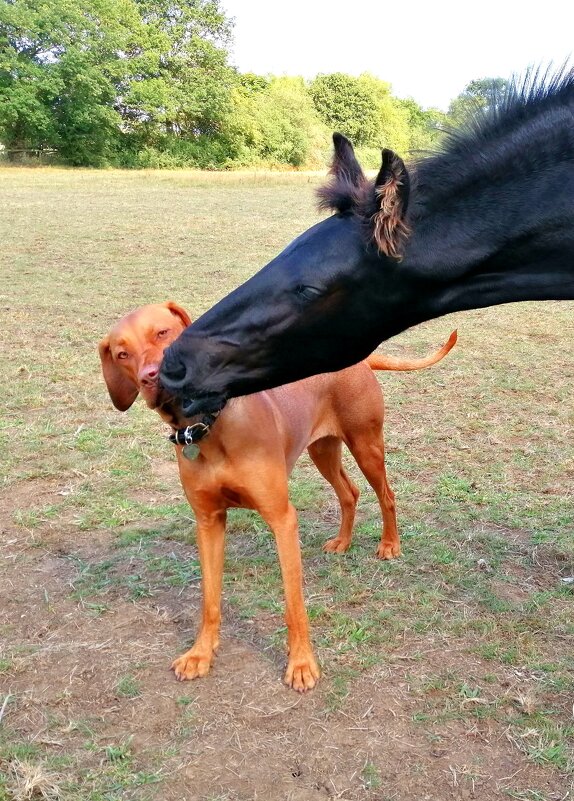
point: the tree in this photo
(62, 61)
(392, 125)
(88, 76)
(275, 122)
(363, 109)
(345, 105)
(425, 126)
(187, 86)
(478, 95)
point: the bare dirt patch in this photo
(402, 729)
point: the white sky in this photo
(426, 50)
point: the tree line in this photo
(148, 83)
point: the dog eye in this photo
(162, 333)
(308, 292)
(123, 354)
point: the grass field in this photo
(448, 674)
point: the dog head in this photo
(131, 354)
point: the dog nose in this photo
(148, 374)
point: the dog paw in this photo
(192, 665)
(302, 674)
(388, 550)
(336, 545)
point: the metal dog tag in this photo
(191, 451)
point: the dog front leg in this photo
(210, 540)
(302, 670)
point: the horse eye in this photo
(308, 292)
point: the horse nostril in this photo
(173, 366)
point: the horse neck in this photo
(496, 239)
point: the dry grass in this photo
(27, 782)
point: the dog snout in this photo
(148, 375)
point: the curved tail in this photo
(378, 361)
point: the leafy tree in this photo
(478, 94)
(89, 76)
(363, 109)
(251, 83)
(345, 105)
(186, 90)
(392, 127)
(425, 126)
(61, 63)
(275, 122)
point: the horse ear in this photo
(342, 191)
(392, 187)
(345, 165)
(178, 311)
(122, 389)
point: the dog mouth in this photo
(178, 411)
(150, 393)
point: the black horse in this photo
(488, 220)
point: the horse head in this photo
(315, 306)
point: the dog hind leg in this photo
(326, 454)
(369, 453)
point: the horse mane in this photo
(530, 122)
(524, 98)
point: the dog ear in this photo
(392, 187)
(122, 389)
(178, 311)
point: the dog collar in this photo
(192, 434)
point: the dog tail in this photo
(378, 361)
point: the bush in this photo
(171, 152)
(274, 123)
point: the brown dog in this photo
(246, 460)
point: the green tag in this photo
(191, 451)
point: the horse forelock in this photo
(378, 208)
(340, 194)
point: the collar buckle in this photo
(192, 433)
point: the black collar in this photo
(194, 432)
